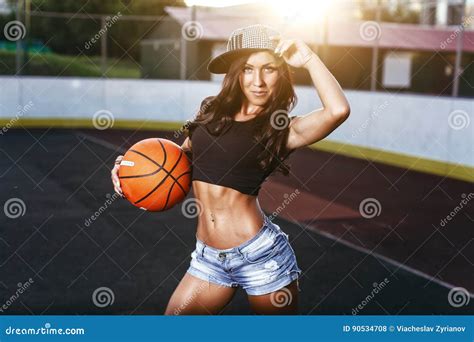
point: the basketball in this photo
(155, 174)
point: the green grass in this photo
(51, 64)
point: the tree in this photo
(70, 35)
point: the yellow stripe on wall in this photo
(88, 123)
(452, 170)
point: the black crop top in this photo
(229, 159)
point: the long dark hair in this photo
(219, 111)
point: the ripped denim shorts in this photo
(261, 265)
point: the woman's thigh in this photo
(194, 296)
(281, 302)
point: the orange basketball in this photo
(155, 174)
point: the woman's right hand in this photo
(114, 176)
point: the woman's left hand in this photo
(295, 52)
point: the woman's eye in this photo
(247, 70)
(270, 69)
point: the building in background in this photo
(416, 58)
(4, 8)
(444, 12)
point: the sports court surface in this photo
(63, 177)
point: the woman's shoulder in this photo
(189, 127)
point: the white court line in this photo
(386, 259)
(102, 142)
(322, 233)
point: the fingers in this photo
(279, 43)
(283, 46)
(115, 178)
(118, 160)
(275, 39)
(116, 183)
(118, 191)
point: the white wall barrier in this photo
(436, 128)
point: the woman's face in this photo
(259, 77)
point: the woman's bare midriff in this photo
(228, 217)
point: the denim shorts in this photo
(261, 265)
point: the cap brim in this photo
(222, 63)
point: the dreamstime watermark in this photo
(465, 200)
(183, 128)
(370, 31)
(46, 330)
(103, 119)
(102, 297)
(20, 112)
(281, 298)
(370, 207)
(21, 288)
(458, 296)
(192, 30)
(189, 300)
(373, 116)
(14, 30)
(110, 199)
(14, 208)
(191, 208)
(465, 23)
(108, 24)
(288, 199)
(458, 119)
(377, 288)
(279, 119)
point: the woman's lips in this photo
(259, 93)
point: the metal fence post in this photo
(19, 42)
(459, 47)
(103, 45)
(375, 52)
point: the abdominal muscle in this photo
(227, 218)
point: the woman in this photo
(238, 138)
